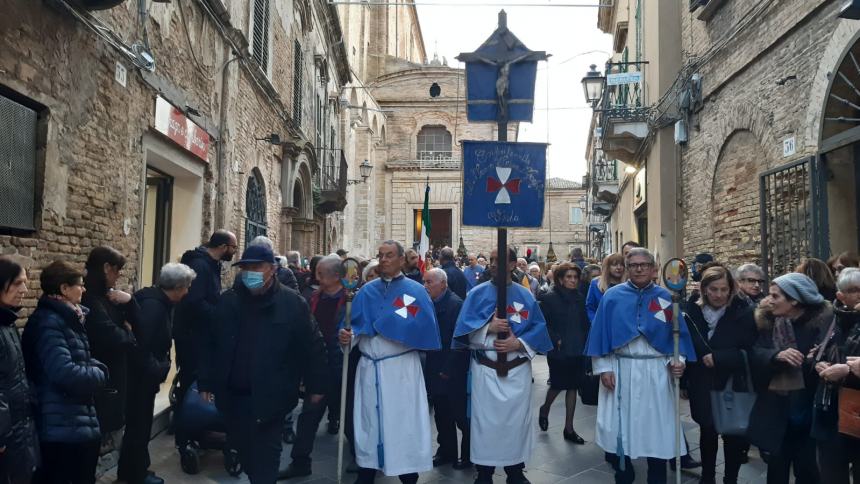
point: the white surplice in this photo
(406, 436)
(647, 405)
(502, 419)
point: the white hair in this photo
(331, 265)
(369, 267)
(174, 276)
(739, 273)
(640, 252)
(848, 278)
(533, 266)
(443, 276)
(294, 257)
(262, 241)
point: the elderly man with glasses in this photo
(751, 281)
(631, 344)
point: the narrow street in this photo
(554, 460)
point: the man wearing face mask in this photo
(194, 313)
(262, 342)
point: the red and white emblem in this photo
(405, 307)
(661, 308)
(516, 313)
(503, 185)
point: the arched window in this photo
(255, 208)
(434, 143)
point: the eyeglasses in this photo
(641, 266)
(386, 255)
(756, 281)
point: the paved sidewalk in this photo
(554, 461)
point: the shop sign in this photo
(170, 122)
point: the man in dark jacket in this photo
(328, 307)
(456, 280)
(446, 375)
(262, 343)
(149, 363)
(196, 311)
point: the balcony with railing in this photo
(428, 160)
(333, 184)
(623, 113)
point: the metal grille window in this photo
(260, 44)
(255, 209)
(17, 165)
(434, 143)
(786, 208)
(297, 83)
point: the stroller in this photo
(204, 425)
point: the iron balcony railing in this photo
(435, 155)
(334, 174)
(624, 93)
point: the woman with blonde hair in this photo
(611, 274)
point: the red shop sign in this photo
(170, 122)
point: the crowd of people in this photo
(425, 332)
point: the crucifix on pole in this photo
(500, 82)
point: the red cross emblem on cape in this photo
(503, 185)
(405, 307)
(661, 308)
(516, 313)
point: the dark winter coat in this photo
(197, 308)
(288, 348)
(63, 373)
(454, 364)
(566, 321)
(287, 278)
(111, 343)
(456, 279)
(415, 275)
(844, 342)
(735, 331)
(774, 412)
(150, 360)
(17, 427)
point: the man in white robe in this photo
(502, 417)
(631, 343)
(392, 319)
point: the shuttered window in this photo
(18, 133)
(260, 47)
(297, 83)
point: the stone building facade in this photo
(633, 159)
(148, 132)
(770, 170)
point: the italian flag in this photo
(424, 244)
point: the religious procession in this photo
(224, 222)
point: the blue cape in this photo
(524, 315)
(400, 310)
(626, 311)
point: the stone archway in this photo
(734, 199)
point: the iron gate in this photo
(255, 210)
(793, 206)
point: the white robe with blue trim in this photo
(405, 413)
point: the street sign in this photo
(620, 78)
(503, 183)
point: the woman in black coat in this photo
(723, 328)
(18, 444)
(65, 378)
(567, 324)
(791, 320)
(109, 328)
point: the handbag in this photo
(849, 412)
(730, 409)
(589, 385)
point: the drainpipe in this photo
(220, 163)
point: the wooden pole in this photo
(343, 381)
(502, 275)
(676, 335)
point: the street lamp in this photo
(364, 169)
(592, 85)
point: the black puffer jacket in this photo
(197, 310)
(64, 374)
(111, 343)
(17, 428)
(149, 361)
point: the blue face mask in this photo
(252, 280)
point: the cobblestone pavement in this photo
(554, 461)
